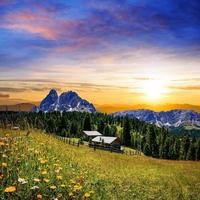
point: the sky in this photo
(108, 51)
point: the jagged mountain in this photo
(67, 101)
(173, 118)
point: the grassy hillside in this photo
(40, 166)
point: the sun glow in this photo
(154, 90)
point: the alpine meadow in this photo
(99, 100)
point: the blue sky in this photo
(102, 43)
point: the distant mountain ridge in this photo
(111, 108)
(24, 107)
(67, 101)
(173, 118)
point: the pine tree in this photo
(101, 126)
(191, 154)
(198, 150)
(147, 150)
(127, 132)
(74, 129)
(151, 140)
(107, 130)
(87, 123)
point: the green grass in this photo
(81, 172)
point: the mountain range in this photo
(67, 101)
(173, 118)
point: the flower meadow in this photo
(31, 170)
(40, 166)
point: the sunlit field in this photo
(40, 166)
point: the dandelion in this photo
(36, 180)
(87, 194)
(77, 188)
(53, 187)
(36, 152)
(44, 172)
(39, 196)
(43, 161)
(72, 181)
(35, 187)
(63, 185)
(46, 180)
(10, 189)
(59, 177)
(4, 165)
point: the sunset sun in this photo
(153, 90)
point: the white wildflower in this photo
(35, 187)
(22, 181)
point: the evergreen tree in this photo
(74, 129)
(127, 132)
(87, 123)
(107, 130)
(191, 154)
(147, 150)
(151, 140)
(101, 126)
(198, 150)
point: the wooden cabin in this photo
(91, 134)
(107, 142)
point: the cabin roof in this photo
(92, 133)
(105, 139)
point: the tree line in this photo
(147, 138)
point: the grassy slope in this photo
(109, 175)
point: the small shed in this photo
(91, 134)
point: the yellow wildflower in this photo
(10, 189)
(59, 177)
(87, 194)
(46, 180)
(72, 181)
(70, 194)
(36, 179)
(43, 161)
(53, 187)
(44, 172)
(4, 165)
(62, 185)
(77, 188)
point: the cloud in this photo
(40, 85)
(189, 88)
(11, 89)
(6, 2)
(6, 96)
